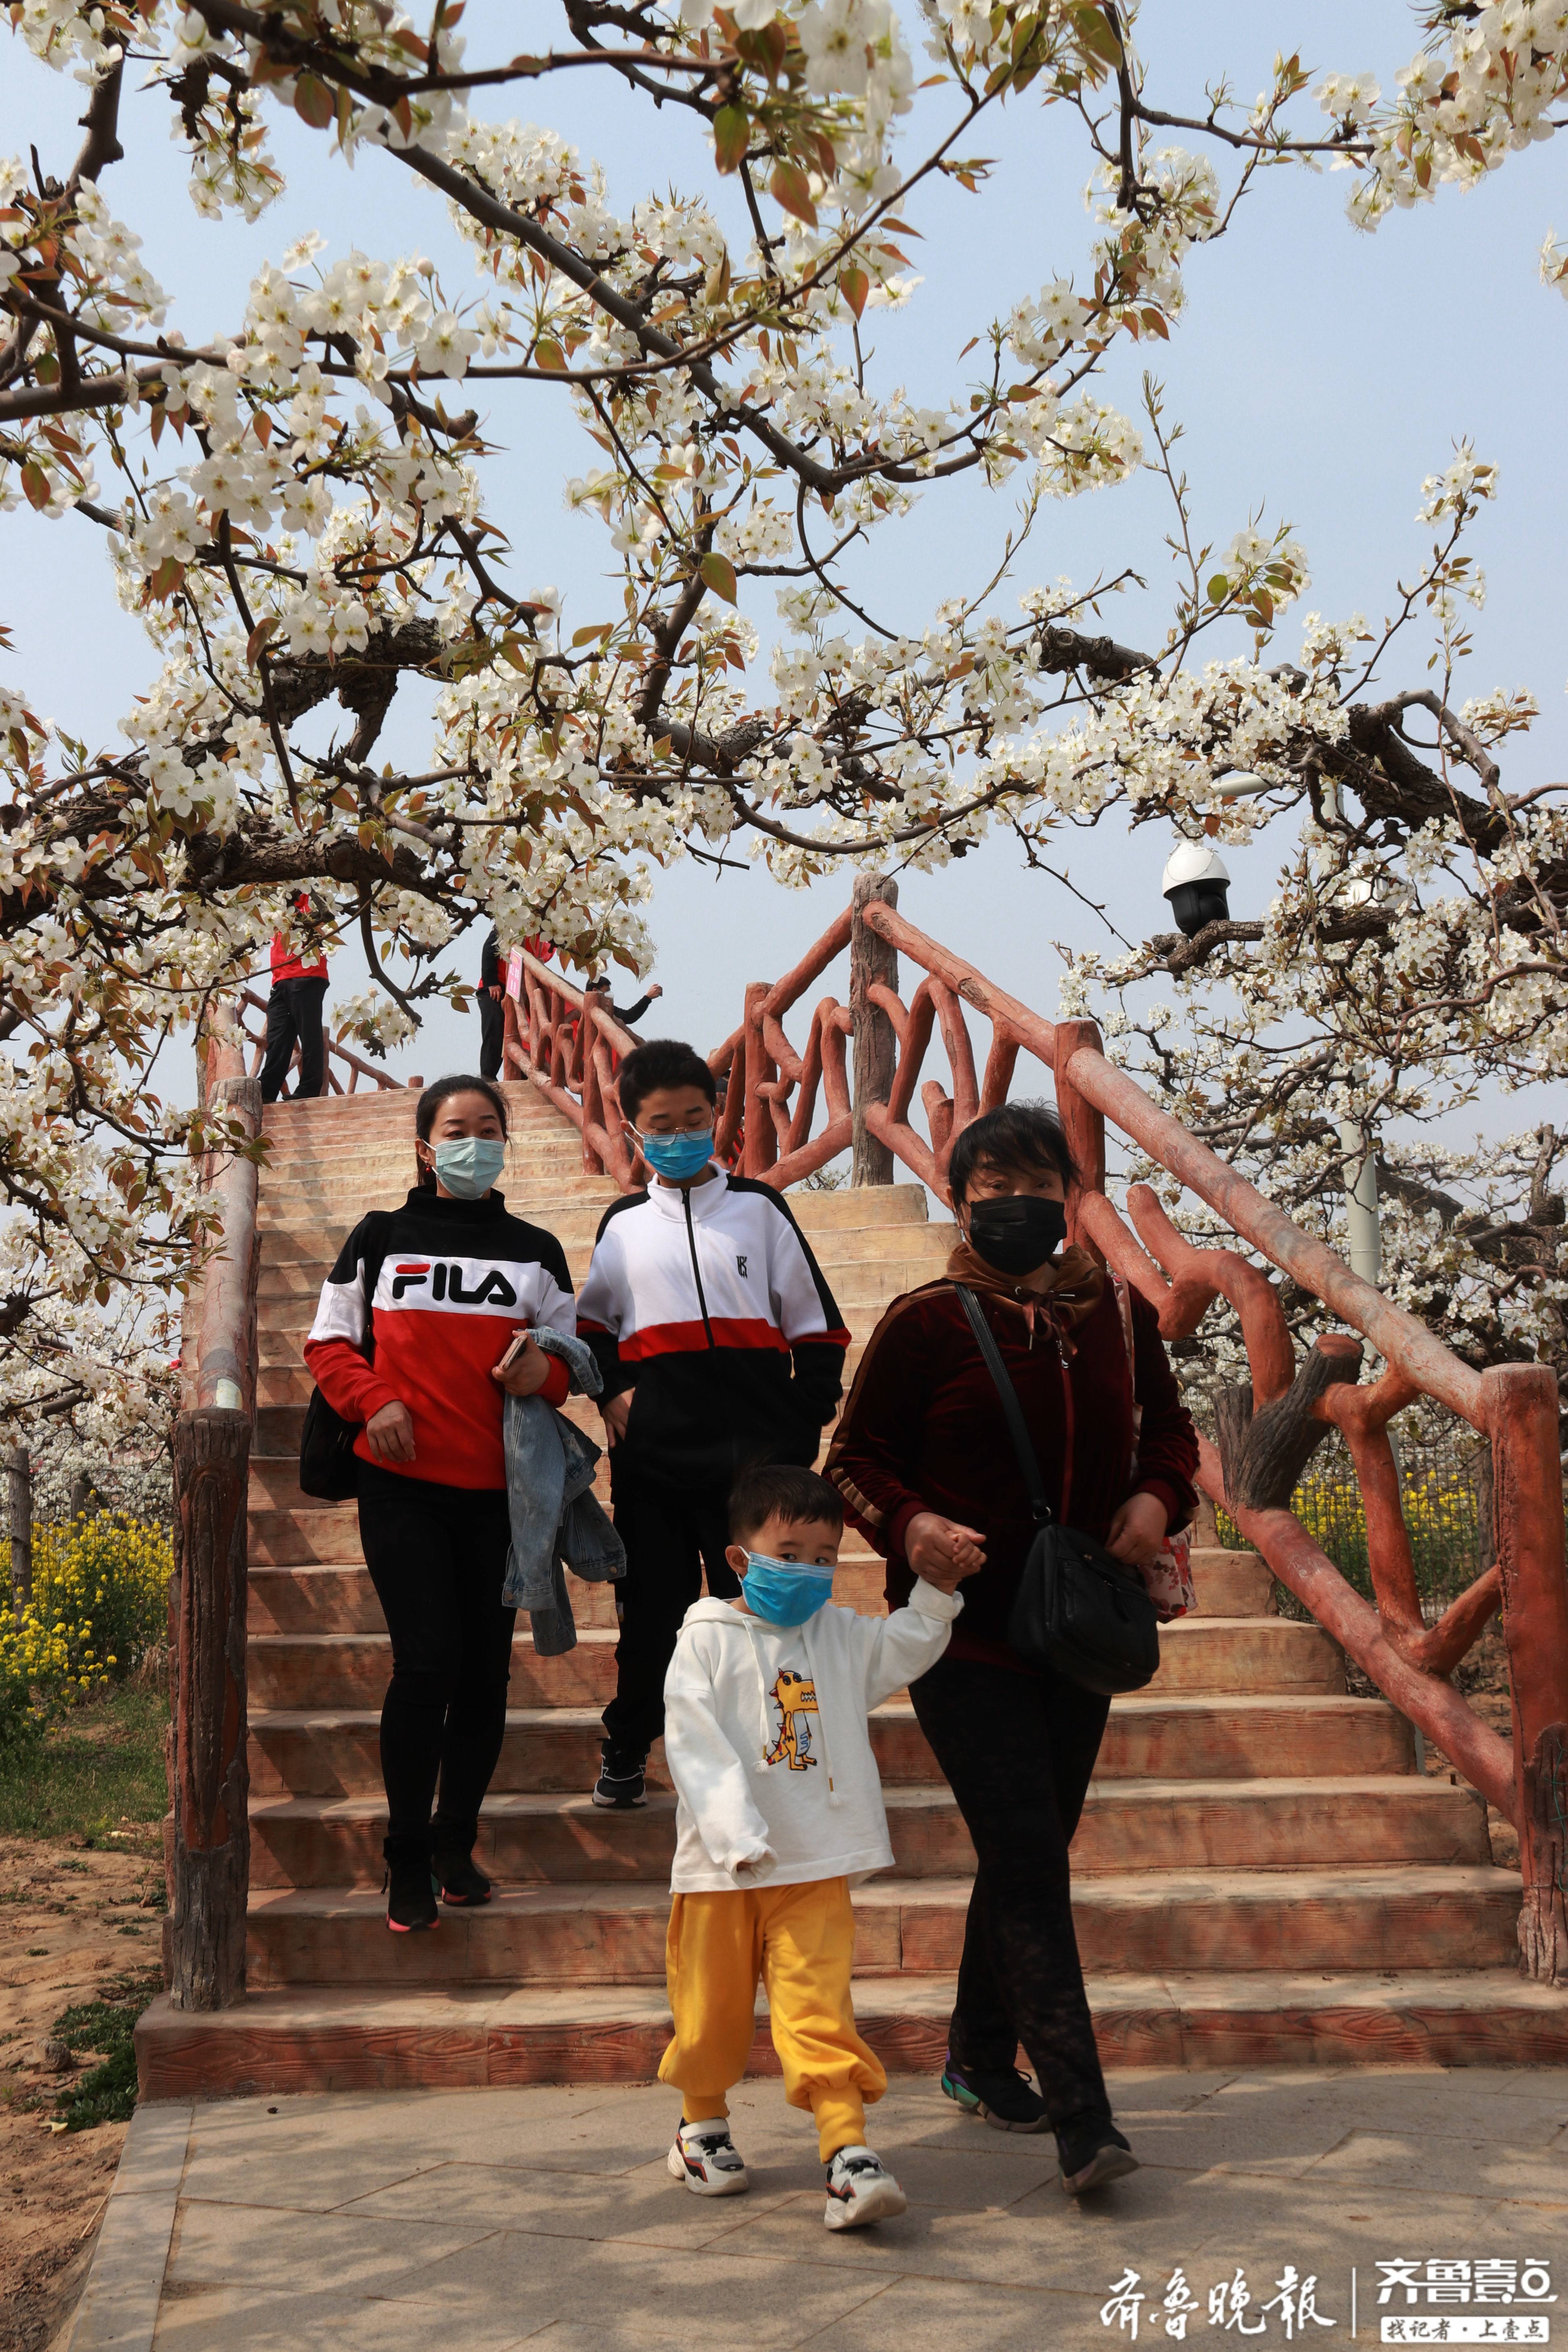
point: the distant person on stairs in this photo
(294, 1018)
(492, 998)
(413, 1320)
(721, 1347)
(925, 1465)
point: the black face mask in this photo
(1018, 1233)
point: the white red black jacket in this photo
(709, 1300)
(456, 1279)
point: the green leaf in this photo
(732, 130)
(314, 101)
(791, 191)
(549, 355)
(35, 484)
(720, 575)
(1219, 589)
(587, 636)
(1094, 32)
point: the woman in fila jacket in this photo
(413, 1321)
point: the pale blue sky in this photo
(1320, 375)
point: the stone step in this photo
(335, 1752)
(345, 2038)
(1414, 1918)
(339, 1598)
(1127, 1825)
(1258, 1655)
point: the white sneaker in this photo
(860, 2189)
(707, 2159)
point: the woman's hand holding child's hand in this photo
(942, 1552)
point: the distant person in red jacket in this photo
(492, 998)
(294, 1018)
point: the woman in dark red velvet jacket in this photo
(926, 1469)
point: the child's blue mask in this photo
(783, 1591)
(677, 1156)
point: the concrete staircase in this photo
(1261, 1876)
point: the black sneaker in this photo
(459, 1879)
(1091, 2155)
(408, 1887)
(622, 1783)
(1000, 2097)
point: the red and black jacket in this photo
(420, 1307)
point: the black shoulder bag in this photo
(328, 1466)
(1078, 1611)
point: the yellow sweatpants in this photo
(800, 1941)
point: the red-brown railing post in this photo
(762, 1136)
(1083, 1124)
(209, 1849)
(876, 1045)
(1527, 1489)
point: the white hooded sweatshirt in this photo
(767, 1743)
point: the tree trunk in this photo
(876, 1043)
(81, 1496)
(211, 1839)
(19, 1480)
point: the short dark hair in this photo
(457, 1082)
(1016, 1136)
(780, 1490)
(662, 1062)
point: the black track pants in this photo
(294, 1018)
(669, 1537)
(1017, 1751)
(436, 1556)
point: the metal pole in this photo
(1365, 1225)
(19, 1483)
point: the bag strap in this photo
(1013, 1412)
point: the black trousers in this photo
(294, 1018)
(493, 1034)
(436, 1556)
(1017, 1751)
(670, 1536)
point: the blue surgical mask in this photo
(677, 1156)
(469, 1165)
(783, 1591)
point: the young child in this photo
(779, 1812)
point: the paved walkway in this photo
(488, 2219)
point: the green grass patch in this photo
(99, 1770)
(106, 2094)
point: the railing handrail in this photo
(1396, 1335)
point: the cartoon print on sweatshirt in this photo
(796, 1699)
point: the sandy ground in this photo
(71, 1919)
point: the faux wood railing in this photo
(209, 1841)
(1268, 1427)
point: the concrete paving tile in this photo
(153, 2160)
(247, 2319)
(666, 2293)
(1488, 2168)
(933, 2314)
(645, 2204)
(295, 2253)
(119, 2308)
(1044, 2240)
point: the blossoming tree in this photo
(297, 511)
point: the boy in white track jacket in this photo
(779, 1809)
